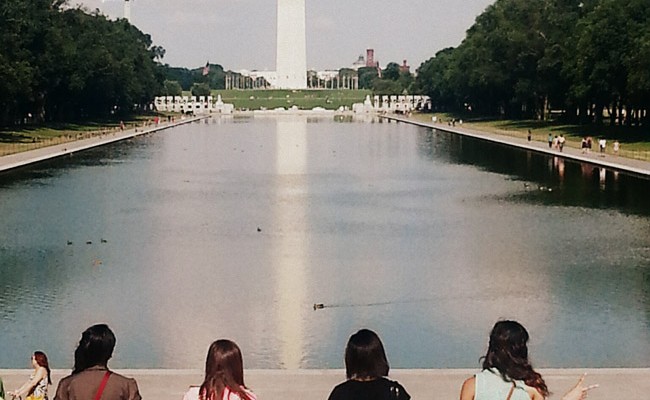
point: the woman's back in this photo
(40, 390)
(491, 386)
(376, 389)
(194, 394)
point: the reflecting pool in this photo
(236, 227)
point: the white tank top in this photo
(491, 386)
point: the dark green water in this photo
(425, 237)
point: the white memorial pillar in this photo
(127, 10)
(292, 45)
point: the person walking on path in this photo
(36, 387)
(550, 141)
(560, 142)
(529, 135)
(602, 143)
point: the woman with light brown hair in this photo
(224, 375)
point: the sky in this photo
(240, 34)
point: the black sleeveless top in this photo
(378, 389)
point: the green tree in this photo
(392, 72)
(172, 88)
(61, 64)
(200, 89)
(387, 87)
(366, 77)
(433, 79)
(612, 40)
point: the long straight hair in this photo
(41, 360)
(224, 368)
(508, 353)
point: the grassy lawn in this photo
(303, 99)
(635, 142)
(33, 137)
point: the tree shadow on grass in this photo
(10, 137)
(623, 134)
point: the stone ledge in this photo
(171, 384)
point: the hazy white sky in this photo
(240, 34)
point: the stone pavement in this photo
(615, 384)
(629, 165)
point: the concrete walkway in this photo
(615, 384)
(628, 165)
(46, 153)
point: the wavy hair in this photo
(508, 353)
(41, 360)
(224, 368)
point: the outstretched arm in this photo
(579, 391)
(26, 388)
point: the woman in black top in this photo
(366, 368)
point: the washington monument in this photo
(291, 63)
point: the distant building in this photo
(332, 79)
(361, 62)
(405, 68)
(370, 58)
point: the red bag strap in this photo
(102, 385)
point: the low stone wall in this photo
(628, 384)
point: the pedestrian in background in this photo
(36, 387)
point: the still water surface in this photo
(236, 227)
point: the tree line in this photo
(390, 80)
(59, 63)
(586, 60)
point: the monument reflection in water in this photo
(235, 227)
(290, 251)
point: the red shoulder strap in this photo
(102, 385)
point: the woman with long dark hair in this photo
(36, 387)
(366, 369)
(224, 375)
(508, 374)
